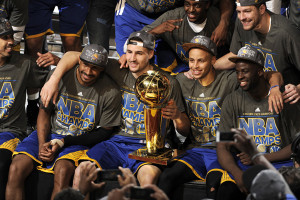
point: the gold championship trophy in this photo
(153, 89)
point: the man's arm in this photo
(275, 99)
(223, 62)
(89, 139)
(219, 35)
(43, 130)
(50, 89)
(181, 121)
(283, 154)
(227, 161)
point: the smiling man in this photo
(17, 73)
(204, 96)
(180, 25)
(247, 109)
(88, 104)
(275, 36)
(131, 136)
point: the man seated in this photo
(88, 103)
(275, 36)
(247, 109)
(140, 49)
(204, 96)
(17, 72)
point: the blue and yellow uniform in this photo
(79, 110)
(114, 152)
(72, 16)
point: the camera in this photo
(225, 136)
(108, 175)
(139, 193)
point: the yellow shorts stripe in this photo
(33, 158)
(193, 170)
(10, 144)
(85, 157)
(226, 177)
(74, 156)
(73, 34)
(47, 32)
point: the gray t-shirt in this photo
(132, 108)
(80, 109)
(15, 11)
(271, 132)
(17, 74)
(280, 46)
(295, 12)
(204, 105)
(184, 33)
(154, 9)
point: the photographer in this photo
(86, 174)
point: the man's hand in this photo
(275, 100)
(291, 94)
(171, 111)
(239, 182)
(244, 142)
(127, 178)
(45, 152)
(219, 35)
(244, 158)
(47, 59)
(123, 62)
(49, 90)
(119, 194)
(88, 174)
(189, 74)
(158, 193)
(167, 26)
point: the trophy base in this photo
(162, 157)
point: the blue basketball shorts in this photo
(72, 14)
(112, 153)
(30, 147)
(201, 161)
(8, 141)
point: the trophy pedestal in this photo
(162, 157)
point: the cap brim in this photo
(250, 174)
(235, 59)
(103, 66)
(189, 46)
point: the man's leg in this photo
(148, 174)
(5, 161)
(71, 43)
(99, 21)
(175, 175)
(63, 173)
(20, 168)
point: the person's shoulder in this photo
(21, 60)
(175, 13)
(284, 25)
(112, 62)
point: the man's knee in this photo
(71, 43)
(148, 174)
(64, 168)
(20, 168)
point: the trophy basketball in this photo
(153, 89)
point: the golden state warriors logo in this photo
(7, 99)
(95, 56)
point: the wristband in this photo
(57, 141)
(256, 155)
(273, 87)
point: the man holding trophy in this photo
(114, 152)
